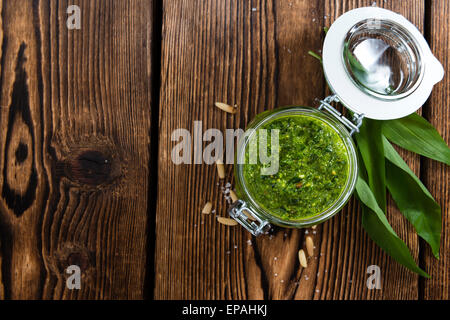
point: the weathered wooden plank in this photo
(75, 122)
(23, 177)
(218, 51)
(435, 174)
(255, 56)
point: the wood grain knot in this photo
(91, 162)
(78, 258)
(21, 153)
(72, 254)
(19, 172)
(91, 167)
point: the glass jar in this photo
(379, 66)
(248, 207)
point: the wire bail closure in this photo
(238, 212)
(353, 125)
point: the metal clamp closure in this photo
(353, 125)
(248, 219)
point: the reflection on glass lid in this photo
(383, 59)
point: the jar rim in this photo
(243, 190)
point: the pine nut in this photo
(227, 221)
(207, 208)
(220, 169)
(310, 246)
(233, 196)
(226, 107)
(302, 258)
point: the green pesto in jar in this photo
(313, 169)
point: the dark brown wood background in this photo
(86, 176)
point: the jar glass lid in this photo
(378, 63)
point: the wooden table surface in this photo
(86, 175)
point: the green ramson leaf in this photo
(416, 134)
(370, 145)
(315, 55)
(413, 199)
(380, 231)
